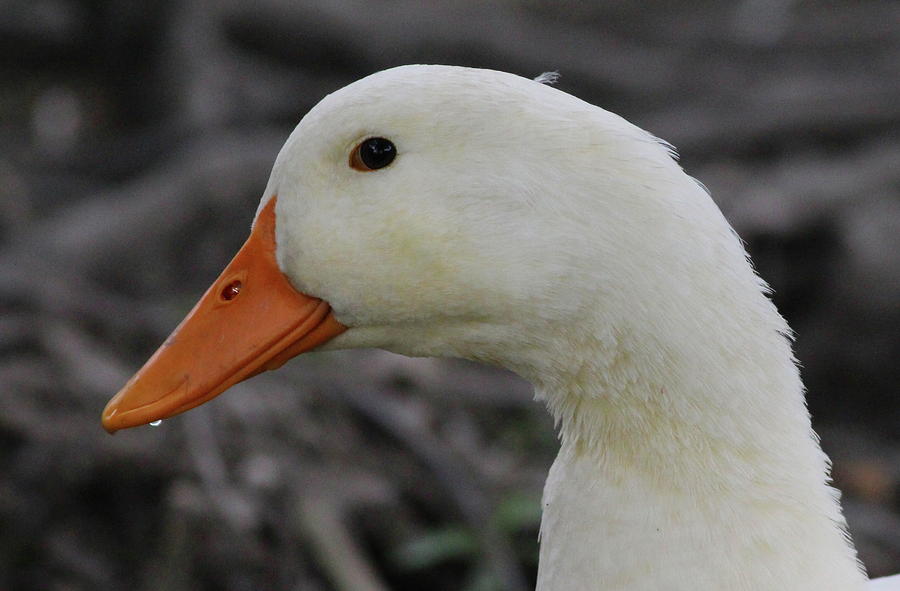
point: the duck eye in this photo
(372, 153)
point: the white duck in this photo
(444, 211)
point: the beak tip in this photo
(107, 418)
(139, 403)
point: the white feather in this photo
(549, 78)
(523, 227)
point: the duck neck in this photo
(681, 470)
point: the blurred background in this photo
(135, 141)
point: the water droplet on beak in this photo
(156, 423)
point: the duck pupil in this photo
(377, 152)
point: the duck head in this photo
(434, 211)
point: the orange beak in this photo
(250, 320)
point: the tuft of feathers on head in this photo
(672, 150)
(548, 78)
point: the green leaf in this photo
(517, 512)
(435, 547)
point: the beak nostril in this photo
(230, 291)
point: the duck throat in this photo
(686, 471)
